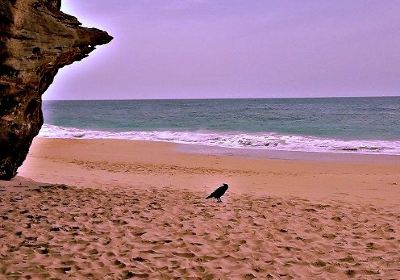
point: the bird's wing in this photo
(214, 193)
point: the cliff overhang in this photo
(36, 40)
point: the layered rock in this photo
(36, 39)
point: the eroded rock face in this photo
(36, 39)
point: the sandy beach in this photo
(115, 167)
(114, 209)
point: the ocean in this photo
(338, 125)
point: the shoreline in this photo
(338, 156)
(344, 156)
(264, 142)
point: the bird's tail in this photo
(210, 196)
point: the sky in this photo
(172, 49)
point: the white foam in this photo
(267, 141)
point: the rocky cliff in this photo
(36, 39)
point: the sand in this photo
(108, 209)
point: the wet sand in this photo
(117, 209)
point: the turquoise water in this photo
(370, 125)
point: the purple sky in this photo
(236, 48)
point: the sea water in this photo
(351, 125)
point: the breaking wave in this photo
(266, 141)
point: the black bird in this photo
(218, 192)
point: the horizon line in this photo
(224, 98)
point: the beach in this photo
(117, 209)
(255, 140)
